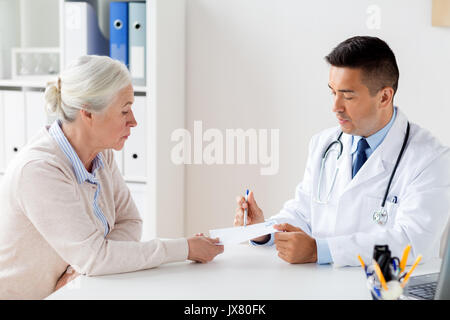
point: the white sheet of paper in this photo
(237, 235)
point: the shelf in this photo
(138, 180)
(160, 195)
(32, 83)
(42, 83)
(140, 89)
(135, 180)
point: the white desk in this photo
(241, 272)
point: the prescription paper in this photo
(240, 234)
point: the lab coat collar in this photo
(377, 138)
(381, 160)
(390, 149)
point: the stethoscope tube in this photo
(341, 147)
(338, 140)
(405, 141)
(322, 165)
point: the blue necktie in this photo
(360, 156)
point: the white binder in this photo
(137, 41)
(14, 119)
(135, 156)
(82, 34)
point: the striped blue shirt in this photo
(80, 171)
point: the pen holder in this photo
(385, 267)
(394, 292)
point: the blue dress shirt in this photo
(374, 140)
(323, 250)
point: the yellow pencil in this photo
(404, 258)
(411, 270)
(380, 275)
(362, 262)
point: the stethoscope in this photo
(380, 216)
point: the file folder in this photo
(118, 34)
(137, 45)
(82, 33)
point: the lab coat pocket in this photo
(391, 208)
(323, 218)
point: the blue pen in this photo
(245, 211)
(377, 291)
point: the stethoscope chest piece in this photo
(380, 216)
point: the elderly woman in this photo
(63, 200)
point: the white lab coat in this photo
(421, 185)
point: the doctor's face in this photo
(356, 110)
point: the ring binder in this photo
(118, 31)
(137, 45)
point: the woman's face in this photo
(113, 127)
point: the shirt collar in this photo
(377, 138)
(80, 171)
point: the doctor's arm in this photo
(296, 212)
(420, 219)
(255, 215)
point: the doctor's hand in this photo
(294, 245)
(254, 213)
(203, 249)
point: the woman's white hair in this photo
(89, 83)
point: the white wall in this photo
(259, 64)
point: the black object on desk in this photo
(382, 255)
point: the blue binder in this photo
(136, 48)
(118, 31)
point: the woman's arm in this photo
(49, 197)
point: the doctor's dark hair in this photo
(373, 56)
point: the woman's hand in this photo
(67, 276)
(203, 249)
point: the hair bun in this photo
(52, 97)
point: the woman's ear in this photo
(86, 117)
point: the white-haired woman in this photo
(64, 203)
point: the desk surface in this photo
(241, 272)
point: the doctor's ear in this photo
(386, 96)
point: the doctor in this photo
(377, 178)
